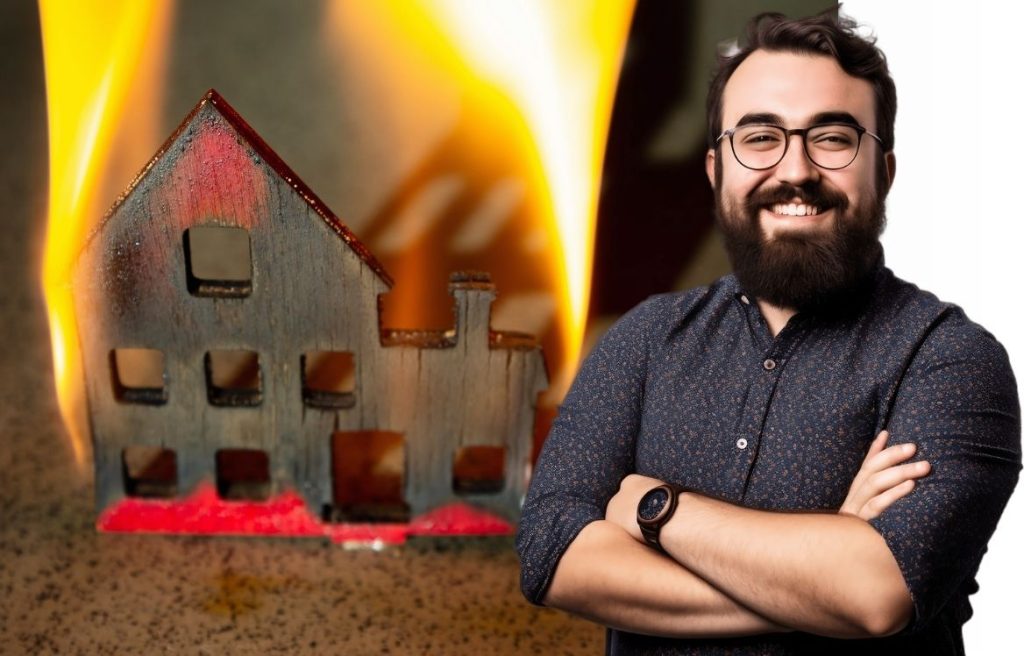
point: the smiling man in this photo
(809, 455)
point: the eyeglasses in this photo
(831, 146)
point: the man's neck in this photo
(776, 317)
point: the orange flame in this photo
(99, 55)
(559, 62)
(547, 70)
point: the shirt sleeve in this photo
(589, 450)
(958, 403)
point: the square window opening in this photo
(234, 378)
(479, 470)
(149, 472)
(368, 471)
(218, 261)
(243, 474)
(328, 379)
(139, 375)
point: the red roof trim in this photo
(275, 162)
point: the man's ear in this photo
(890, 166)
(709, 166)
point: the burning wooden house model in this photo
(238, 378)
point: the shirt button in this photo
(746, 301)
(769, 364)
(741, 443)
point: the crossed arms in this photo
(732, 571)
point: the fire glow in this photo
(547, 69)
(541, 75)
(97, 55)
(558, 62)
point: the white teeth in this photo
(793, 209)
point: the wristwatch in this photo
(656, 507)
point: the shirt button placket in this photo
(746, 447)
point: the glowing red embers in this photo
(284, 515)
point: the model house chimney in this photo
(474, 293)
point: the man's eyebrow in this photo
(764, 118)
(758, 119)
(834, 117)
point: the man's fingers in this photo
(893, 476)
(879, 484)
(877, 505)
(884, 476)
(890, 457)
(878, 444)
(869, 467)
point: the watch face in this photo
(652, 503)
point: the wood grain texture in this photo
(314, 287)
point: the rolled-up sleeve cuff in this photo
(548, 527)
(901, 549)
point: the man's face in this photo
(797, 233)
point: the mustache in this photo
(812, 193)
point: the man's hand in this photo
(882, 478)
(621, 508)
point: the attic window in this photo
(243, 474)
(149, 471)
(218, 261)
(479, 470)
(329, 379)
(234, 378)
(139, 375)
(368, 468)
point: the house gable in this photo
(214, 156)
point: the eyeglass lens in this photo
(763, 146)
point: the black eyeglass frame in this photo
(802, 133)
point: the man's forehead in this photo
(796, 87)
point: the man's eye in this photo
(761, 140)
(833, 141)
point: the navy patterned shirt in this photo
(692, 388)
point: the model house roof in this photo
(216, 102)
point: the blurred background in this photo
(557, 145)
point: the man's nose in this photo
(795, 167)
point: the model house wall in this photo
(230, 332)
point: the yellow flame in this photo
(559, 62)
(98, 55)
(556, 63)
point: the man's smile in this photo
(788, 206)
(794, 209)
(794, 213)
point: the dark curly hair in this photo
(827, 34)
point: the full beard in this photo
(803, 269)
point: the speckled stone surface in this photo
(65, 589)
